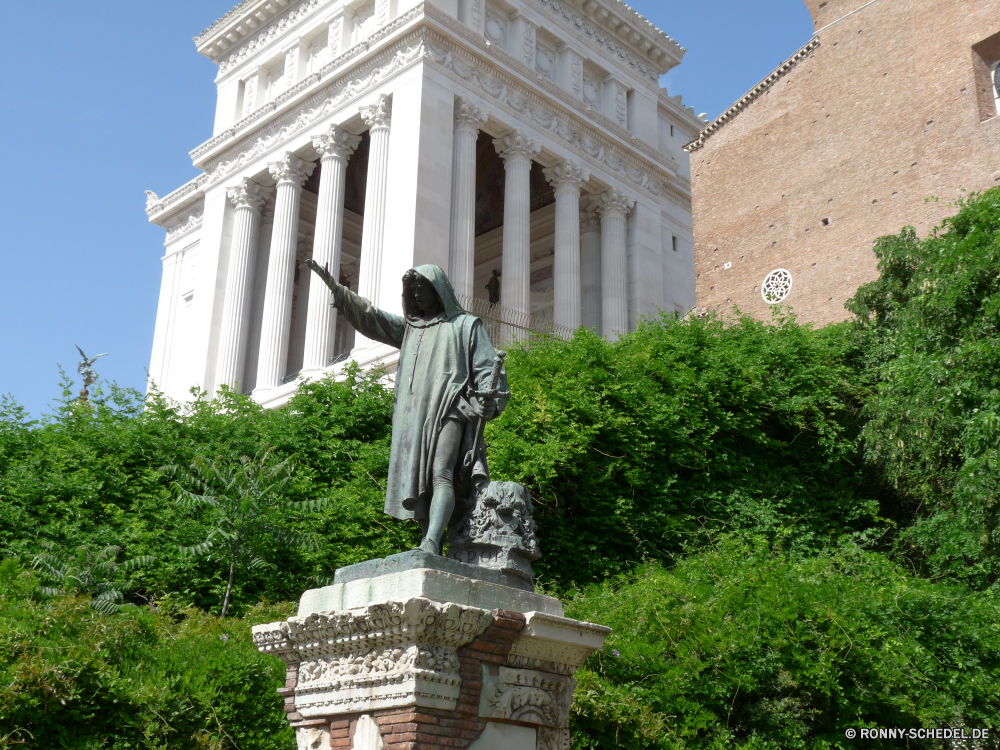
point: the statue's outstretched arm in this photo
(367, 319)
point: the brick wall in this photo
(427, 728)
(845, 148)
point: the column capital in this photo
(516, 147)
(291, 169)
(590, 221)
(566, 175)
(377, 115)
(248, 194)
(335, 141)
(613, 202)
(469, 118)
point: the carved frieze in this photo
(185, 224)
(250, 46)
(541, 116)
(526, 695)
(381, 656)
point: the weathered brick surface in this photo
(429, 728)
(892, 107)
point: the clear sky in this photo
(103, 102)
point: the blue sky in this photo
(101, 105)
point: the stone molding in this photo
(291, 169)
(248, 194)
(335, 141)
(378, 116)
(566, 175)
(603, 40)
(186, 224)
(469, 119)
(302, 117)
(752, 95)
(354, 82)
(508, 92)
(358, 50)
(385, 655)
(483, 46)
(655, 52)
(526, 695)
(287, 20)
(613, 202)
(516, 147)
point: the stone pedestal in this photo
(420, 652)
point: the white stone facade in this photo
(527, 137)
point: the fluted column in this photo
(290, 173)
(614, 207)
(516, 150)
(378, 118)
(590, 267)
(248, 197)
(567, 179)
(335, 147)
(463, 194)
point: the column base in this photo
(417, 657)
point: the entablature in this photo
(618, 31)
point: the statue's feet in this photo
(429, 545)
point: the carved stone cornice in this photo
(469, 119)
(516, 147)
(245, 48)
(248, 194)
(357, 51)
(336, 142)
(566, 175)
(381, 656)
(237, 25)
(643, 168)
(377, 116)
(613, 202)
(291, 169)
(185, 225)
(625, 36)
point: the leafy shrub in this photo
(71, 677)
(747, 646)
(633, 450)
(931, 328)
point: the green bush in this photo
(92, 475)
(635, 449)
(71, 677)
(930, 326)
(746, 646)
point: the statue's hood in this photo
(437, 277)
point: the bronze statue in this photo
(493, 287)
(85, 369)
(449, 383)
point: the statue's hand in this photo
(489, 407)
(324, 274)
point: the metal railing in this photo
(505, 326)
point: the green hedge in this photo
(143, 678)
(747, 646)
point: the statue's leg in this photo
(443, 500)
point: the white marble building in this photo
(530, 137)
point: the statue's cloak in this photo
(441, 362)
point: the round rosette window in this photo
(776, 286)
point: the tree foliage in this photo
(746, 646)
(930, 328)
(792, 531)
(243, 503)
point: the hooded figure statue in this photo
(448, 385)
